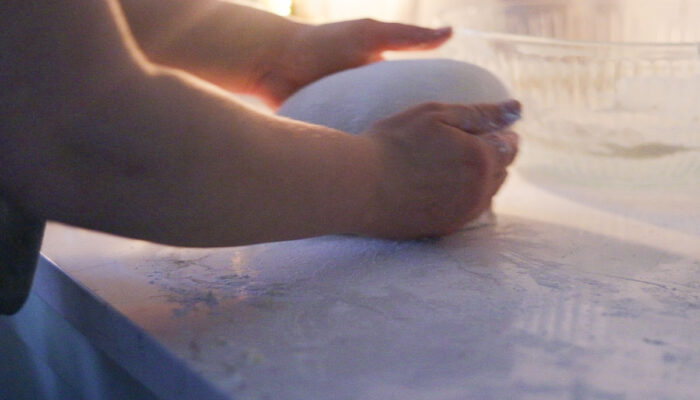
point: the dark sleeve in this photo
(20, 241)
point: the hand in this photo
(441, 165)
(316, 51)
(247, 50)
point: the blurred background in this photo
(335, 10)
(610, 87)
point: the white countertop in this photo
(574, 293)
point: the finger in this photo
(504, 145)
(395, 36)
(482, 118)
(497, 182)
(490, 190)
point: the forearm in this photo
(108, 141)
(178, 163)
(219, 41)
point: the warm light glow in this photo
(280, 7)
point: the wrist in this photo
(363, 216)
(275, 68)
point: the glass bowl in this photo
(610, 88)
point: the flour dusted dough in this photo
(354, 99)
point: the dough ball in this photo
(354, 99)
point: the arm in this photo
(151, 153)
(102, 139)
(251, 51)
(222, 42)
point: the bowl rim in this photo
(542, 41)
(693, 45)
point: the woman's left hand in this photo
(247, 50)
(315, 51)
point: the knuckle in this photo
(479, 158)
(481, 113)
(367, 22)
(431, 113)
(359, 24)
(430, 107)
(482, 169)
(364, 31)
(432, 119)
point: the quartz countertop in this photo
(574, 292)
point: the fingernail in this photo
(497, 140)
(509, 117)
(442, 31)
(511, 106)
(503, 147)
(510, 111)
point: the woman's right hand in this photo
(440, 165)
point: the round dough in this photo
(354, 99)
